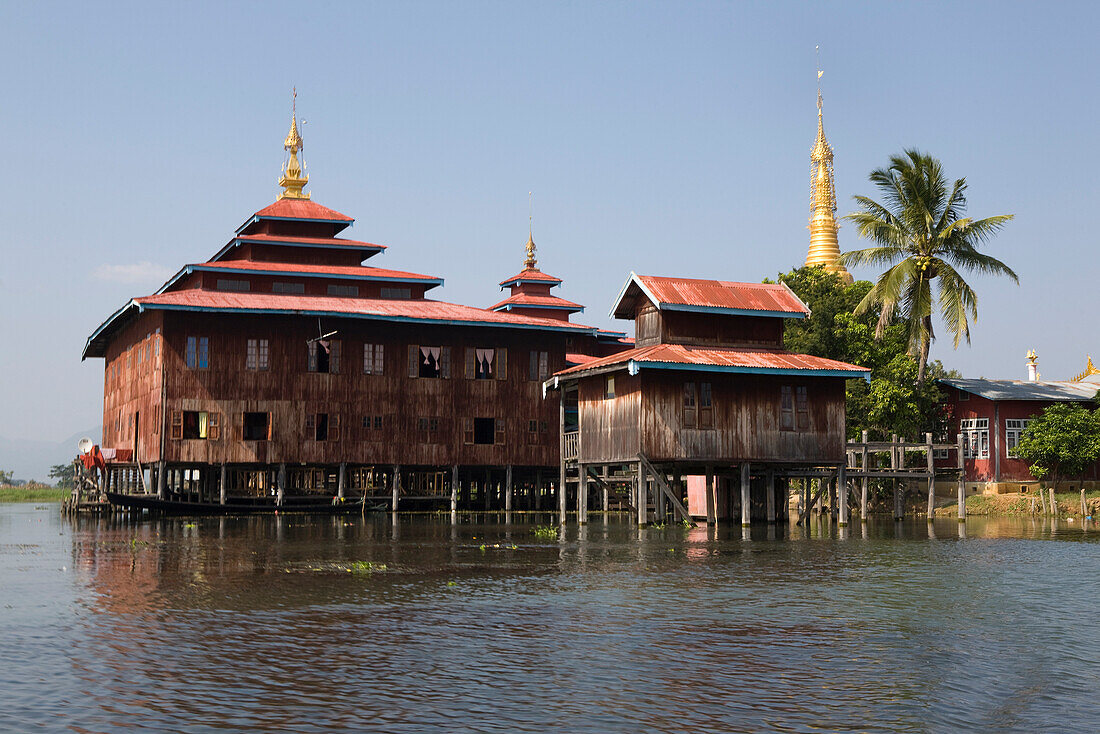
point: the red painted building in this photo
(991, 415)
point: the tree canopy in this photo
(920, 232)
(893, 401)
(1061, 442)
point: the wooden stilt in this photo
(561, 453)
(842, 492)
(712, 498)
(642, 502)
(605, 496)
(536, 499)
(582, 495)
(746, 495)
(769, 481)
(487, 487)
(340, 480)
(222, 485)
(395, 487)
(895, 463)
(508, 488)
(280, 485)
(454, 488)
(864, 484)
(162, 490)
(930, 461)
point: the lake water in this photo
(318, 624)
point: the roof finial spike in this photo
(293, 179)
(530, 263)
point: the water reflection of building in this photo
(991, 415)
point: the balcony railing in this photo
(572, 446)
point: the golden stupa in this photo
(824, 248)
(292, 180)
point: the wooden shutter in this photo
(471, 365)
(379, 358)
(689, 405)
(334, 427)
(213, 426)
(498, 437)
(445, 362)
(311, 349)
(414, 360)
(468, 430)
(311, 427)
(502, 364)
(177, 424)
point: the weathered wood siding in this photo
(700, 329)
(746, 419)
(289, 392)
(132, 388)
(609, 426)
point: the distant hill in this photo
(33, 459)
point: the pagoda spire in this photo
(824, 246)
(292, 179)
(531, 262)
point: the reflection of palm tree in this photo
(922, 235)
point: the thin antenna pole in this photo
(530, 215)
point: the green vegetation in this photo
(366, 567)
(921, 233)
(65, 474)
(1061, 442)
(546, 532)
(1069, 505)
(33, 493)
(893, 401)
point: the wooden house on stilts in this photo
(283, 370)
(708, 391)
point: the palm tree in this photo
(919, 231)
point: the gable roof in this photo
(709, 296)
(1050, 391)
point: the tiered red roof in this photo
(530, 275)
(535, 301)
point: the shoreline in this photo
(33, 494)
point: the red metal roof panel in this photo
(530, 276)
(358, 271)
(525, 299)
(302, 209)
(721, 358)
(310, 241)
(695, 294)
(398, 309)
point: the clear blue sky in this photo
(664, 138)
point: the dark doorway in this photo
(483, 430)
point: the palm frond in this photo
(958, 304)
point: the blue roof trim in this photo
(430, 282)
(732, 311)
(371, 317)
(510, 306)
(103, 327)
(235, 242)
(634, 366)
(552, 283)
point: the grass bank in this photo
(1069, 504)
(32, 494)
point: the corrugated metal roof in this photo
(526, 299)
(720, 359)
(347, 270)
(575, 358)
(1051, 391)
(716, 296)
(329, 241)
(530, 276)
(302, 209)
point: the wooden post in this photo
(1053, 504)
(508, 489)
(746, 495)
(864, 486)
(769, 482)
(962, 478)
(395, 487)
(280, 485)
(582, 494)
(931, 476)
(1084, 505)
(712, 498)
(895, 461)
(643, 500)
(561, 455)
(162, 480)
(221, 486)
(341, 480)
(536, 498)
(834, 488)
(605, 496)
(842, 491)
(487, 487)
(454, 488)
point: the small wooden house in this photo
(709, 390)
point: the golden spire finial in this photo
(1090, 370)
(292, 179)
(824, 246)
(531, 263)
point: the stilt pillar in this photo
(454, 488)
(712, 497)
(931, 477)
(162, 481)
(842, 494)
(280, 485)
(395, 487)
(508, 489)
(864, 483)
(341, 480)
(769, 481)
(642, 501)
(582, 495)
(222, 485)
(746, 495)
(962, 478)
